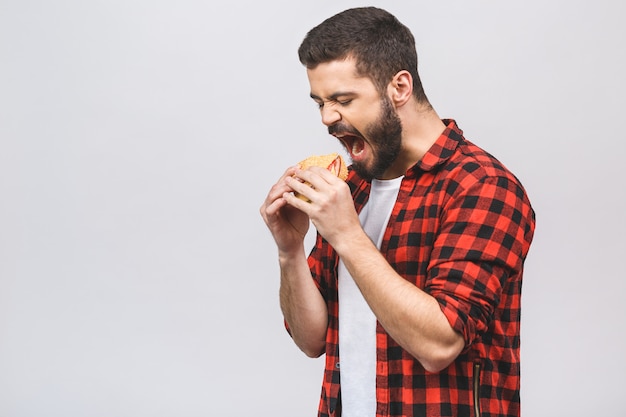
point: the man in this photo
(413, 287)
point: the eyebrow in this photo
(334, 96)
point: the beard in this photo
(385, 140)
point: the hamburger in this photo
(333, 162)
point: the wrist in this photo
(286, 257)
(353, 243)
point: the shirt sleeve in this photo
(479, 253)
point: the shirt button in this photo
(337, 365)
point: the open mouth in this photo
(355, 145)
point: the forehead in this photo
(329, 78)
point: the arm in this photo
(302, 304)
(412, 317)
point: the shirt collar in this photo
(442, 149)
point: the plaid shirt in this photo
(460, 230)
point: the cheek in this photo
(364, 122)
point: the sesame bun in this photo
(333, 162)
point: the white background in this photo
(138, 139)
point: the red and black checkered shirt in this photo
(460, 230)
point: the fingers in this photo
(274, 199)
(309, 183)
(316, 176)
(281, 185)
(271, 208)
(312, 178)
(299, 189)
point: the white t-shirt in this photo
(357, 323)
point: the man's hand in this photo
(331, 208)
(288, 224)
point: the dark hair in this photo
(380, 44)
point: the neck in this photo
(421, 127)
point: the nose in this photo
(330, 116)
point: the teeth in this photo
(355, 148)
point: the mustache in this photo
(343, 129)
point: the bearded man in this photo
(413, 287)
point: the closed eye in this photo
(343, 103)
(341, 98)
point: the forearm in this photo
(412, 317)
(302, 305)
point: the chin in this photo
(363, 171)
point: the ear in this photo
(400, 88)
